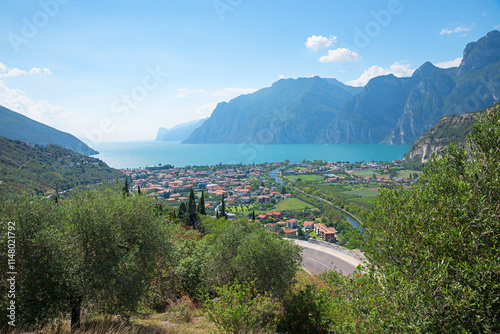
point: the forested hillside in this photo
(42, 169)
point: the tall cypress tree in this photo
(138, 190)
(201, 205)
(182, 211)
(253, 215)
(125, 187)
(222, 211)
(193, 214)
(56, 199)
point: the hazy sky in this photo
(118, 70)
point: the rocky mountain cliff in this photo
(449, 128)
(387, 110)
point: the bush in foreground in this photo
(240, 308)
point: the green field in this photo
(306, 178)
(362, 193)
(364, 173)
(292, 204)
(365, 202)
(332, 188)
(405, 173)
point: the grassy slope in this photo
(292, 204)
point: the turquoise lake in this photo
(152, 153)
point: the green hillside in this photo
(24, 167)
(16, 126)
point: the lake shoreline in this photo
(152, 153)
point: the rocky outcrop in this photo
(449, 128)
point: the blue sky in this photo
(118, 70)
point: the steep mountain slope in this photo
(399, 110)
(474, 85)
(42, 169)
(16, 126)
(450, 128)
(179, 132)
(370, 115)
(387, 110)
(290, 111)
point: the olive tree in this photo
(245, 251)
(98, 249)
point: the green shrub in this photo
(306, 311)
(240, 308)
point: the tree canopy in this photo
(437, 243)
(99, 248)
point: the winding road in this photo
(317, 259)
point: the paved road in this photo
(317, 259)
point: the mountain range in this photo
(388, 109)
(290, 111)
(179, 132)
(16, 126)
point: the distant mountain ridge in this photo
(16, 126)
(179, 132)
(388, 109)
(290, 111)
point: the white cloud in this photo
(37, 70)
(450, 63)
(340, 55)
(399, 69)
(497, 26)
(206, 110)
(319, 42)
(484, 13)
(13, 72)
(6, 72)
(456, 30)
(41, 111)
(281, 77)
